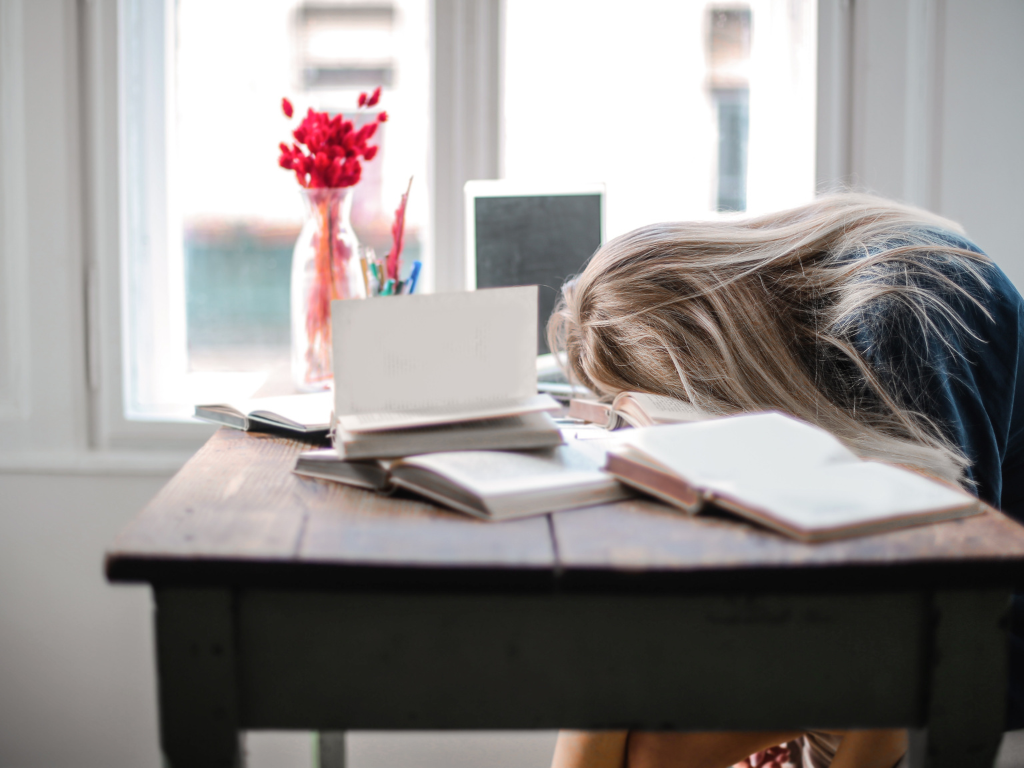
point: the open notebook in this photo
(304, 414)
(493, 485)
(782, 473)
(421, 360)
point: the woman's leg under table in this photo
(643, 749)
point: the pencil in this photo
(414, 276)
(366, 275)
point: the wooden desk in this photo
(289, 603)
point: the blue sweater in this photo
(970, 382)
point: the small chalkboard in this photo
(517, 235)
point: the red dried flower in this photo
(382, 117)
(327, 149)
(394, 257)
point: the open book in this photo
(324, 463)
(304, 414)
(634, 409)
(493, 485)
(782, 473)
(427, 360)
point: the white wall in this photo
(76, 678)
(982, 151)
(76, 659)
(76, 662)
(925, 105)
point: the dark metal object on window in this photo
(729, 34)
(733, 108)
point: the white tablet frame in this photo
(515, 188)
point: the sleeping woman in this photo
(880, 323)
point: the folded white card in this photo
(405, 361)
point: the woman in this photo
(880, 323)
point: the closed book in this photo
(528, 430)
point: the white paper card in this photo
(449, 352)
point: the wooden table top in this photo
(237, 515)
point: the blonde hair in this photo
(757, 314)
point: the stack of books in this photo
(437, 394)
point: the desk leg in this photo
(967, 700)
(197, 677)
(331, 749)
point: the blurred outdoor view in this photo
(240, 213)
(683, 109)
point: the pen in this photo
(413, 276)
(366, 275)
(376, 278)
(389, 286)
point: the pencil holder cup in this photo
(325, 267)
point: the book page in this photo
(506, 484)
(778, 469)
(452, 352)
(661, 408)
(515, 423)
(848, 495)
(656, 408)
(722, 452)
(381, 421)
(488, 473)
(523, 432)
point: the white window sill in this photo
(100, 463)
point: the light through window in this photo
(684, 110)
(218, 300)
(240, 213)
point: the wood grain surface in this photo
(236, 508)
(236, 513)
(357, 526)
(235, 498)
(648, 537)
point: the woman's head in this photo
(754, 314)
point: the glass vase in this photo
(325, 267)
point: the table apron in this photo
(360, 661)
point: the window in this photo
(648, 99)
(682, 109)
(100, 105)
(211, 218)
